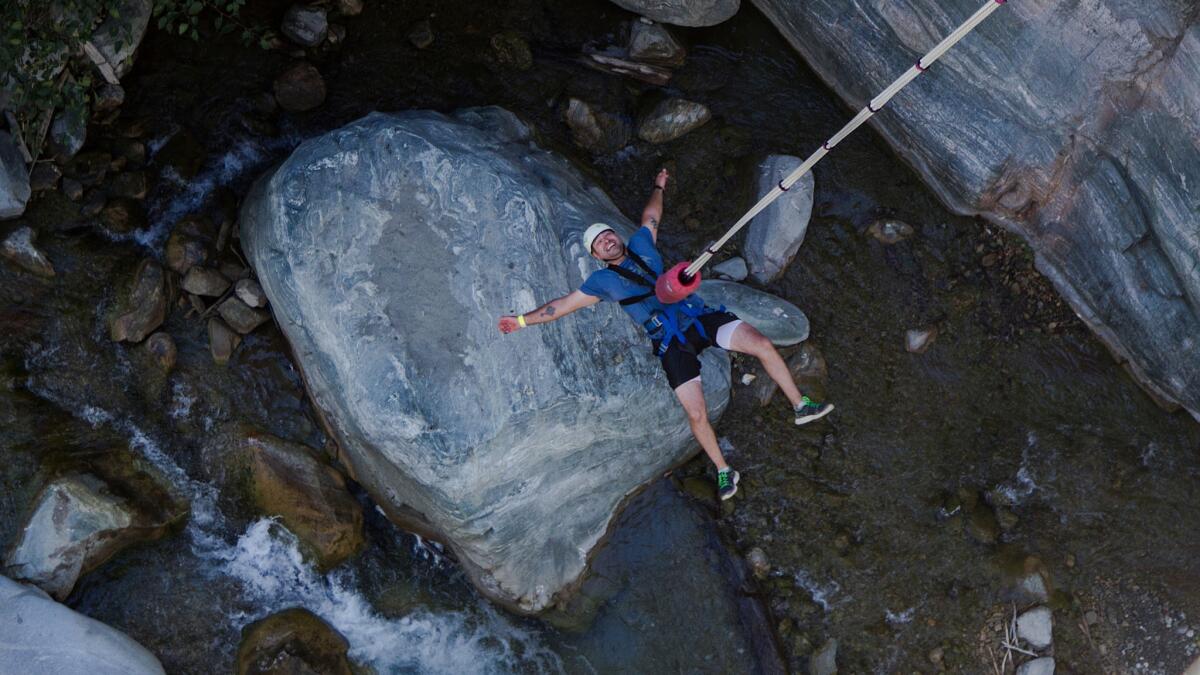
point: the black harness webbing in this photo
(635, 278)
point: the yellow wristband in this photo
(521, 320)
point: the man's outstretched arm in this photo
(555, 309)
(652, 214)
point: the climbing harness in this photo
(664, 323)
(684, 278)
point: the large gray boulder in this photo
(683, 12)
(14, 179)
(776, 233)
(1074, 124)
(388, 249)
(38, 635)
(779, 320)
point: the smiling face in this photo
(608, 247)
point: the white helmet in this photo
(589, 237)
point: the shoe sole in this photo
(800, 421)
(736, 478)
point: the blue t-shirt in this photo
(608, 285)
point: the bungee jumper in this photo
(678, 322)
(679, 331)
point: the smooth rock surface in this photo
(292, 641)
(776, 318)
(144, 307)
(68, 132)
(18, 247)
(522, 474)
(300, 88)
(310, 498)
(222, 340)
(774, 236)
(652, 43)
(918, 340)
(595, 130)
(204, 281)
(1042, 666)
(1072, 123)
(1036, 627)
(890, 231)
(734, 269)
(37, 632)
(250, 292)
(240, 316)
(671, 119)
(824, 660)
(691, 13)
(14, 180)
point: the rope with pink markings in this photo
(873, 106)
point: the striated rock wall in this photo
(388, 249)
(1076, 124)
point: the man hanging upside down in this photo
(678, 332)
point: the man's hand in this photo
(508, 324)
(661, 179)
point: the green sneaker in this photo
(727, 481)
(808, 411)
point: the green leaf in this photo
(183, 28)
(194, 8)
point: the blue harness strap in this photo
(667, 320)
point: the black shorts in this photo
(682, 361)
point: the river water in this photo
(865, 519)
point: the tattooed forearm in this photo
(548, 311)
(653, 222)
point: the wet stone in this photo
(240, 316)
(824, 660)
(337, 35)
(14, 181)
(89, 168)
(44, 176)
(204, 281)
(222, 341)
(888, 231)
(251, 293)
(123, 215)
(133, 151)
(68, 133)
(19, 248)
(292, 641)
(918, 340)
(144, 307)
(982, 525)
(512, 50)
(595, 130)
(652, 43)
(671, 119)
(306, 26)
(1032, 588)
(184, 251)
(300, 88)
(162, 347)
(420, 34)
(349, 7)
(759, 565)
(108, 97)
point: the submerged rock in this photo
(652, 43)
(420, 34)
(242, 317)
(776, 318)
(14, 181)
(289, 480)
(808, 369)
(249, 292)
(824, 660)
(518, 468)
(222, 340)
(776, 233)
(300, 88)
(38, 634)
(292, 641)
(123, 215)
(671, 119)
(204, 281)
(512, 50)
(162, 347)
(144, 307)
(1091, 152)
(692, 13)
(595, 130)
(18, 247)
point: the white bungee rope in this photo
(873, 106)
